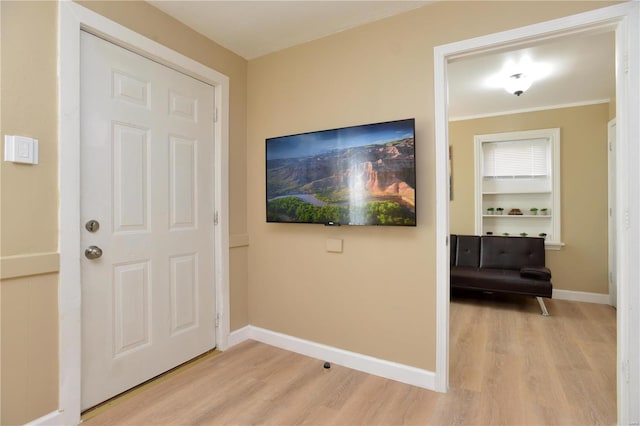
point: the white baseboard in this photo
(581, 296)
(238, 336)
(53, 418)
(367, 364)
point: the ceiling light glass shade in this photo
(529, 70)
(517, 84)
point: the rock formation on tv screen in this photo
(367, 184)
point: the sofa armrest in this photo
(538, 273)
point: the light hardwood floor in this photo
(509, 366)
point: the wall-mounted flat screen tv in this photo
(359, 175)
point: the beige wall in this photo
(29, 193)
(29, 208)
(581, 265)
(29, 215)
(29, 340)
(378, 296)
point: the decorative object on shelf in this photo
(533, 211)
(544, 211)
(515, 212)
(490, 210)
(489, 233)
(506, 234)
(543, 235)
(523, 234)
(499, 210)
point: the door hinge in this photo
(626, 63)
(215, 115)
(625, 371)
(218, 319)
(215, 218)
(627, 221)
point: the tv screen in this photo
(359, 175)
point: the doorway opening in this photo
(622, 19)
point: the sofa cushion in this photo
(538, 273)
(468, 250)
(499, 281)
(511, 252)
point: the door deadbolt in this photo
(92, 225)
(93, 252)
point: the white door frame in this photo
(625, 20)
(611, 204)
(72, 18)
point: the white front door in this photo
(147, 144)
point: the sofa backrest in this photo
(496, 252)
(468, 251)
(511, 252)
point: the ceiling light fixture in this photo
(517, 84)
(516, 77)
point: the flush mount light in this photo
(517, 76)
(517, 84)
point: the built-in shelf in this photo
(519, 193)
(515, 192)
(517, 216)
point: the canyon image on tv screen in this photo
(358, 175)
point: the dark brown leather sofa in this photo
(500, 264)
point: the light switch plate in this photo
(20, 149)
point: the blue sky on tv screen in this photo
(314, 143)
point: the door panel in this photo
(182, 186)
(184, 293)
(130, 181)
(147, 177)
(131, 306)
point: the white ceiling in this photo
(582, 65)
(255, 28)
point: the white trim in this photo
(54, 418)
(238, 336)
(379, 367)
(612, 274)
(24, 265)
(238, 240)
(72, 18)
(628, 214)
(526, 110)
(581, 296)
(624, 18)
(367, 364)
(443, 193)
(553, 245)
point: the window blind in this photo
(522, 158)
